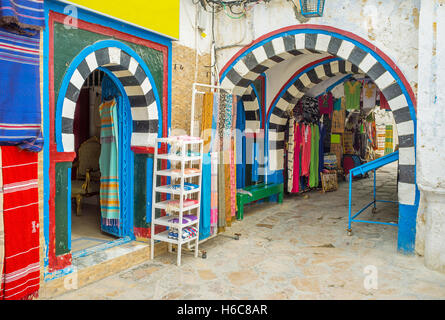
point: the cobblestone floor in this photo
(297, 250)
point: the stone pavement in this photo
(297, 250)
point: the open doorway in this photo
(86, 227)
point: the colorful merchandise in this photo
(352, 95)
(20, 114)
(326, 104)
(369, 96)
(187, 233)
(21, 266)
(109, 164)
(314, 167)
(306, 150)
(185, 219)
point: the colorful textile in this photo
(384, 105)
(185, 219)
(20, 115)
(352, 95)
(322, 128)
(313, 171)
(206, 198)
(290, 155)
(306, 151)
(296, 162)
(389, 145)
(232, 161)
(109, 164)
(221, 193)
(21, 268)
(207, 118)
(214, 192)
(338, 117)
(187, 233)
(17, 15)
(369, 95)
(348, 142)
(326, 104)
(2, 230)
(187, 186)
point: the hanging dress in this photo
(313, 172)
(109, 164)
(306, 151)
(296, 164)
(352, 95)
(290, 155)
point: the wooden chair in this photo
(87, 182)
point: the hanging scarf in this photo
(109, 166)
(296, 155)
(20, 114)
(23, 17)
(21, 266)
(306, 152)
(290, 155)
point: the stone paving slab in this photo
(296, 250)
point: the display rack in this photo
(361, 170)
(187, 152)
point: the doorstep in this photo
(99, 265)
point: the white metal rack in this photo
(185, 160)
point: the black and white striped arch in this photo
(136, 84)
(271, 53)
(251, 109)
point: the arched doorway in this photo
(139, 118)
(287, 43)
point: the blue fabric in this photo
(204, 220)
(20, 114)
(255, 177)
(22, 14)
(240, 146)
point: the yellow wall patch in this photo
(158, 16)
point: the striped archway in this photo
(275, 47)
(294, 89)
(136, 80)
(251, 104)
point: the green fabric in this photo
(314, 166)
(335, 138)
(352, 95)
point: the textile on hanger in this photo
(21, 263)
(369, 96)
(314, 167)
(352, 94)
(326, 104)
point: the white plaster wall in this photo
(430, 238)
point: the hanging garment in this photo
(389, 146)
(338, 117)
(20, 114)
(352, 95)
(2, 229)
(348, 142)
(369, 96)
(109, 164)
(384, 105)
(338, 91)
(207, 118)
(215, 148)
(313, 171)
(309, 109)
(22, 17)
(296, 162)
(205, 215)
(326, 104)
(221, 194)
(322, 128)
(306, 150)
(21, 266)
(233, 160)
(290, 155)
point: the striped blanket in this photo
(108, 163)
(20, 115)
(21, 267)
(19, 15)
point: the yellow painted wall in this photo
(161, 16)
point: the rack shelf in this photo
(177, 211)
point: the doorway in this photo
(100, 170)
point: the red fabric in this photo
(306, 152)
(21, 269)
(348, 164)
(296, 168)
(383, 102)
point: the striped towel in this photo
(21, 269)
(20, 115)
(22, 16)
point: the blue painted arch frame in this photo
(73, 67)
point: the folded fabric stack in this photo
(187, 186)
(185, 219)
(188, 232)
(186, 170)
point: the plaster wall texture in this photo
(430, 238)
(392, 26)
